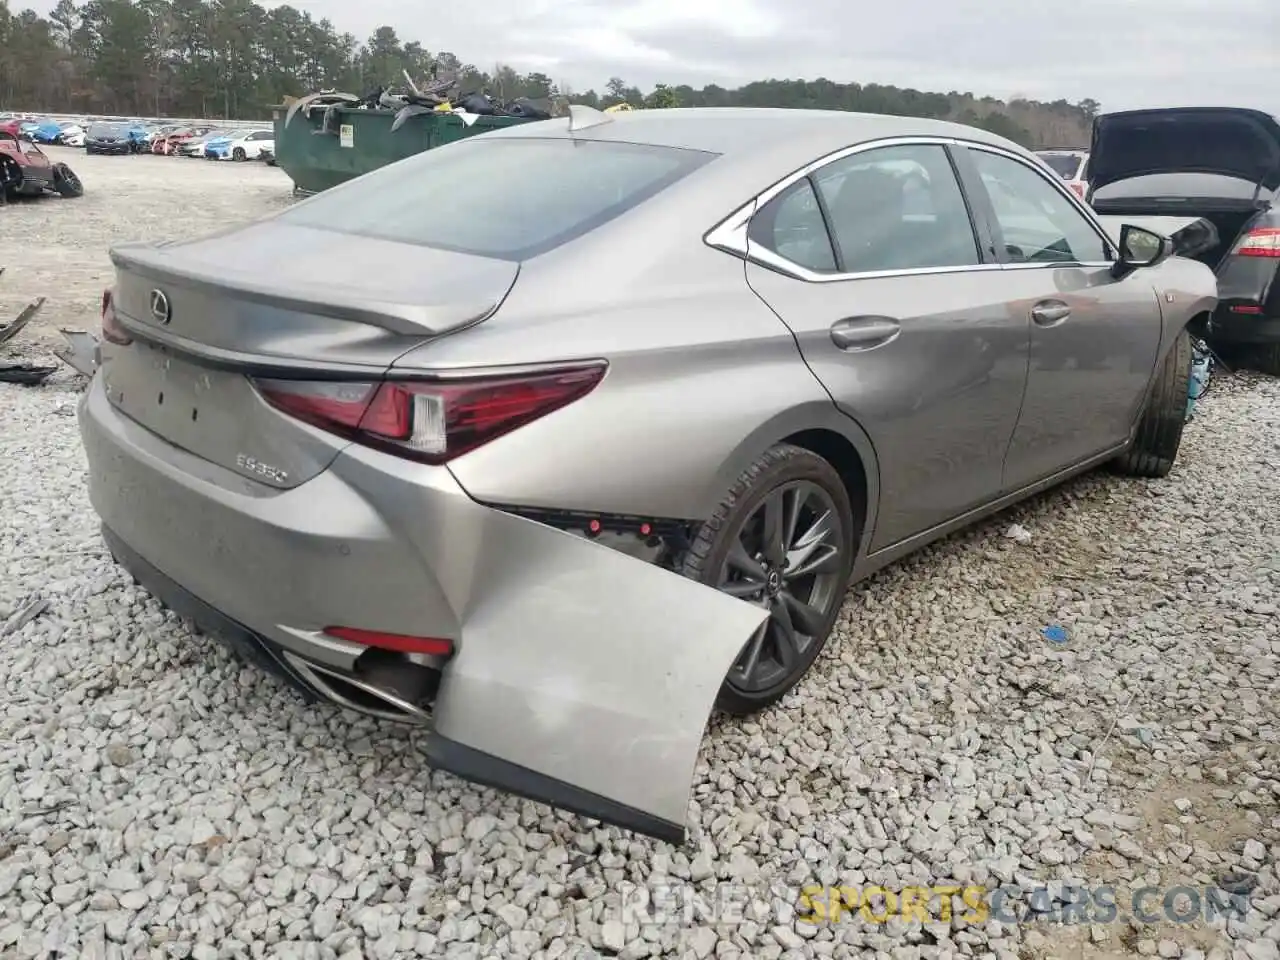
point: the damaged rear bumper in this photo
(581, 677)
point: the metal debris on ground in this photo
(10, 330)
(24, 616)
(80, 353)
(27, 374)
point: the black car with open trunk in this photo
(1219, 164)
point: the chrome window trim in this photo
(730, 234)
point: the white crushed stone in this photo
(159, 799)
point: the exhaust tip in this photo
(392, 688)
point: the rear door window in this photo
(791, 225)
(897, 208)
(511, 199)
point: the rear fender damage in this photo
(582, 677)
(585, 677)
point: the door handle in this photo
(864, 333)
(1050, 313)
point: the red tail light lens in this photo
(1077, 188)
(431, 646)
(431, 421)
(1262, 242)
(112, 332)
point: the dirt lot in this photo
(58, 248)
(163, 801)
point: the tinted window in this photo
(1065, 165)
(791, 226)
(496, 197)
(106, 130)
(897, 208)
(1039, 224)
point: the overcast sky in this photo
(1123, 53)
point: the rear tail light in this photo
(397, 642)
(1077, 188)
(1261, 242)
(112, 331)
(430, 421)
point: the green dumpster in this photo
(316, 160)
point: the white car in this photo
(249, 146)
(73, 139)
(1071, 165)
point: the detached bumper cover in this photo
(582, 678)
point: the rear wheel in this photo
(1159, 434)
(1266, 358)
(782, 539)
(66, 182)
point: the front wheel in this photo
(1159, 434)
(781, 538)
(66, 182)
(238, 154)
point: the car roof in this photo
(730, 130)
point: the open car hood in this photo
(1228, 141)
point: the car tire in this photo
(1265, 358)
(238, 155)
(66, 182)
(783, 472)
(1159, 434)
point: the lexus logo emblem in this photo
(160, 307)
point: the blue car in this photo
(46, 131)
(217, 148)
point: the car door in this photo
(1094, 339)
(875, 263)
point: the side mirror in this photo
(1139, 248)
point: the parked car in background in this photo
(194, 146)
(70, 134)
(42, 131)
(1071, 165)
(832, 373)
(169, 143)
(244, 146)
(1220, 164)
(108, 138)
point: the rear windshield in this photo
(1064, 165)
(509, 199)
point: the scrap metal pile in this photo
(440, 94)
(80, 352)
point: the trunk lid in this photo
(207, 315)
(1228, 141)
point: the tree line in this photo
(234, 59)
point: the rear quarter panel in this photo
(702, 379)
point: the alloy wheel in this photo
(788, 557)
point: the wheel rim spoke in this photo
(775, 528)
(785, 640)
(751, 655)
(813, 552)
(743, 589)
(743, 562)
(807, 620)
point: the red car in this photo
(168, 144)
(26, 171)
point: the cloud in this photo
(1123, 53)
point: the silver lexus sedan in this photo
(555, 438)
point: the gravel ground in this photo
(157, 799)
